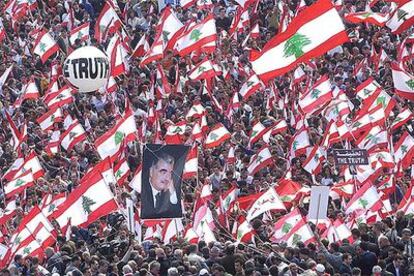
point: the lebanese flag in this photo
(185, 4)
(366, 198)
(375, 138)
(338, 231)
(103, 168)
(248, 88)
(117, 56)
(380, 97)
(301, 232)
(313, 164)
(110, 142)
(34, 233)
(19, 184)
(121, 171)
(87, 203)
(403, 82)
(407, 203)
(190, 235)
(367, 88)
(260, 160)
(284, 225)
(344, 189)
(172, 229)
(197, 36)
(278, 127)
(203, 70)
(217, 136)
(30, 91)
(55, 201)
(228, 199)
(174, 132)
(402, 118)
(269, 201)
(2, 31)
(135, 182)
(61, 97)
(81, 32)
(364, 120)
(170, 27)
(72, 136)
(47, 120)
(258, 130)
(156, 52)
(315, 31)
(21, 166)
(300, 141)
(404, 150)
(377, 19)
(191, 163)
(16, 134)
(45, 46)
(196, 111)
(107, 22)
(142, 47)
(245, 232)
(402, 18)
(318, 95)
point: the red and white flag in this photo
(83, 206)
(45, 46)
(285, 224)
(60, 98)
(313, 163)
(245, 232)
(402, 18)
(269, 201)
(250, 86)
(135, 182)
(191, 163)
(47, 120)
(404, 150)
(121, 171)
(217, 136)
(142, 47)
(117, 56)
(107, 22)
(72, 136)
(197, 36)
(317, 97)
(81, 32)
(365, 198)
(315, 31)
(260, 160)
(402, 118)
(110, 142)
(403, 81)
(377, 19)
(19, 184)
(257, 132)
(203, 70)
(170, 27)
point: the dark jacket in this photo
(366, 261)
(391, 268)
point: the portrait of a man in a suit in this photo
(161, 193)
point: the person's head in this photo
(406, 234)
(126, 269)
(238, 265)
(18, 259)
(154, 268)
(76, 261)
(49, 252)
(398, 261)
(376, 270)
(356, 271)
(320, 269)
(172, 271)
(160, 174)
(347, 258)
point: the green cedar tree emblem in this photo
(294, 45)
(286, 227)
(119, 136)
(410, 84)
(195, 35)
(363, 202)
(401, 15)
(42, 47)
(19, 183)
(87, 203)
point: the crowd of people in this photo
(379, 242)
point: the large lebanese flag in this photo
(269, 201)
(319, 95)
(403, 82)
(203, 70)
(170, 27)
(403, 17)
(402, 117)
(21, 166)
(197, 36)
(87, 203)
(217, 136)
(260, 160)
(301, 232)
(285, 224)
(404, 150)
(365, 198)
(45, 46)
(124, 131)
(59, 98)
(315, 31)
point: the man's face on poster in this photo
(161, 175)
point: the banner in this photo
(162, 170)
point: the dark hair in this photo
(345, 256)
(164, 157)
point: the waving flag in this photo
(260, 160)
(250, 86)
(81, 32)
(107, 22)
(47, 120)
(217, 136)
(319, 95)
(45, 46)
(19, 184)
(402, 118)
(316, 30)
(377, 19)
(365, 198)
(197, 36)
(402, 18)
(404, 150)
(191, 163)
(203, 70)
(269, 201)
(285, 224)
(72, 136)
(403, 82)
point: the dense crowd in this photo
(379, 244)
